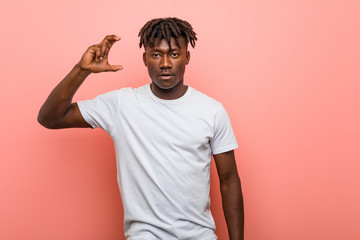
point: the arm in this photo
(58, 111)
(232, 199)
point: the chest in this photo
(182, 126)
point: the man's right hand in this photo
(96, 57)
(58, 111)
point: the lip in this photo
(166, 76)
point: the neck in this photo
(169, 94)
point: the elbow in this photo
(43, 121)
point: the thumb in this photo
(113, 68)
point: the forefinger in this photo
(111, 39)
(107, 44)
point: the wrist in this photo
(80, 70)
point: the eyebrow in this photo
(159, 50)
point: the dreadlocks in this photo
(166, 28)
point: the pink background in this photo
(287, 72)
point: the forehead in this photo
(163, 45)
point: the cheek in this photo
(151, 72)
(151, 67)
(181, 67)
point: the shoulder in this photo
(112, 97)
(134, 90)
(205, 100)
(124, 92)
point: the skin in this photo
(231, 194)
(59, 111)
(166, 67)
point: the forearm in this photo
(233, 207)
(60, 99)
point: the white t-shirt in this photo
(163, 154)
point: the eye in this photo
(174, 54)
(156, 55)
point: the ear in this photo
(187, 57)
(144, 59)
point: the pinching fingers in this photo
(104, 51)
(111, 38)
(106, 44)
(98, 53)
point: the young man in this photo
(164, 134)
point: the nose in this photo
(165, 62)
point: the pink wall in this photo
(287, 71)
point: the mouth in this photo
(165, 76)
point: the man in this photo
(164, 134)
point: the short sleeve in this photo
(223, 139)
(101, 111)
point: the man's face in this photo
(166, 66)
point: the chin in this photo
(165, 86)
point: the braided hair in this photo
(159, 28)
